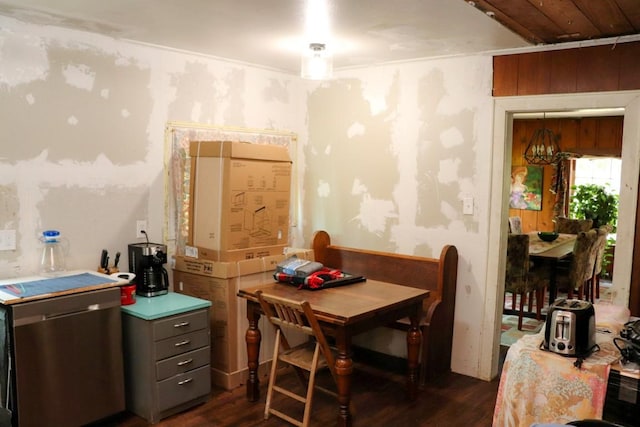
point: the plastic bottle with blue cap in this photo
(52, 261)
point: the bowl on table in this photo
(547, 236)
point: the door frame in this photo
(504, 109)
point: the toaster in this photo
(570, 329)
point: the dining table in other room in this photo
(343, 312)
(549, 254)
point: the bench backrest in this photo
(437, 275)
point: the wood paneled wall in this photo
(589, 69)
(601, 136)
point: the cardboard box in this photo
(240, 198)
(226, 270)
(239, 254)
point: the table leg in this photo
(344, 369)
(414, 338)
(553, 291)
(253, 338)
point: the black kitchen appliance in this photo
(570, 329)
(146, 261)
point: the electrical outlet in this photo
(141, 225)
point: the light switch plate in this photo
(467, 206)
(7, 240)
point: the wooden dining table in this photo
(343, 312)
(550, 253)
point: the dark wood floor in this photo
(378, 396)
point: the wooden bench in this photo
(437, 275)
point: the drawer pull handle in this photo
(181, 343)
(185, 362)
(181, 325)
(187, 381)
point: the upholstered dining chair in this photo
(571, 226)
(515, 225)
(599, 248)
(519, 280)
(310, 356)
(580, 268)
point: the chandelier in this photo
(543, 148)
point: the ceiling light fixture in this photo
(317, 63)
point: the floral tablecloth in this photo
(537, 246)
(538, 386)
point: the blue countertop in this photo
(164, 305)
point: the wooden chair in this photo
(580, 269)
(599, 248)
(572, 226)
(309, 356)
(515, 225)
(519, 280)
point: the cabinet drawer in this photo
(180, 324)
(182, 363)
(184, 387)
(181, 344)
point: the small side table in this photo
(166, 345)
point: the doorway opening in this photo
(504, 111)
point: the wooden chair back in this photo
(572, 226)
(517, 269)
(582, 263)
(601, 245)
(298, 316)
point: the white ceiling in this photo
(269, 33)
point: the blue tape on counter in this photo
(55, 284)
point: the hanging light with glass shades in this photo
(543, 148)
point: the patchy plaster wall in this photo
(82, 145)
(391, 152)
(386, 153)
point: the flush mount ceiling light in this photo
(317, 63)
(317, 58)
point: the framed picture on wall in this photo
(526, 188)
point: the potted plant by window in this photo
(592, 201)
(597, 202)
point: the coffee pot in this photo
(146, 261)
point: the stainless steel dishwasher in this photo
(67, 359)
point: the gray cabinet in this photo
(166, 355)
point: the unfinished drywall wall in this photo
(83, 119)
(392, 152)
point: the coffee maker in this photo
(146, 261)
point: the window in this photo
(600, 171)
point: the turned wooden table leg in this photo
(414, 339)
(253, 338)
(344, 369)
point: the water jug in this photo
(52, 260)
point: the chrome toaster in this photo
(570, 329)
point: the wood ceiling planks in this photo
(558, 21)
